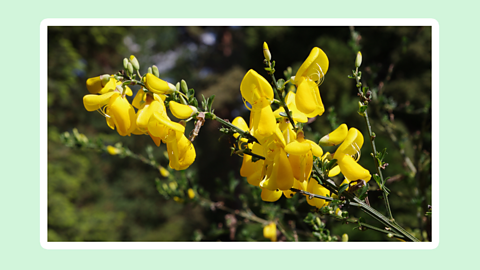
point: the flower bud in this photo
(134, 62)
(155, 71)
(125, 63)
(344, 237)
(266, 52)
(129, 69)
(149, 70)
(164, 172)
(112, 150)
(358, 60)
(191, 193)
(184, 86)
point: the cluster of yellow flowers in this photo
(288, 155)
(108, 97)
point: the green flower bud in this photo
(149, 70)
(344, 237)
(129, 69)
(184, 86)
(155, 71)
(134, 62)
(358, 60)
(125, 63)
(105, 79)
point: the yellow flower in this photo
(182, 111)
(279, 174)
(270, 232)
(262, 122)
(335, 137)
(120, 114)
(297, 115)
(308, 77)
(164, 172)
(113, 150)
(345, 154)
(256, 90)
(301, 153)
(315, 188)
(104, 83)
(157, 85)
(191, 193)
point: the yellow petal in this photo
(281, 176)
(248, 166)
(187, 153)
(301, 166)
(263, 122)
(315, 188)
(240, 123)
(256, 90)
(128, 92)
(157, 85)
(334, 171)
(298, 185)
(307, 98)
(298, 148)
(94, 85)
(335, 137)
(139, 99)
(122, 113)
(93, 102)
(181, 111)
(270, 195)
(143, 115)
(352, 143)
(316, 150)
(315, 66)
(156, 140)
(351, 169)
(109, 87)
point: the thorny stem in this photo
(372, 143)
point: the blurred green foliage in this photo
(94, 196)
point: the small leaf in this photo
(210, 102)
(342, 188)
(362, 193)
(378, 180)
(283, 114)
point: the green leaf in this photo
(210, 102)
(378, 180)
(342, 188)
(362, 193)
(309, 218)
(283, 114)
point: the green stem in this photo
(280, 98)
(311, 194)
(388, 223)
(374, 149)
(244, 134)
